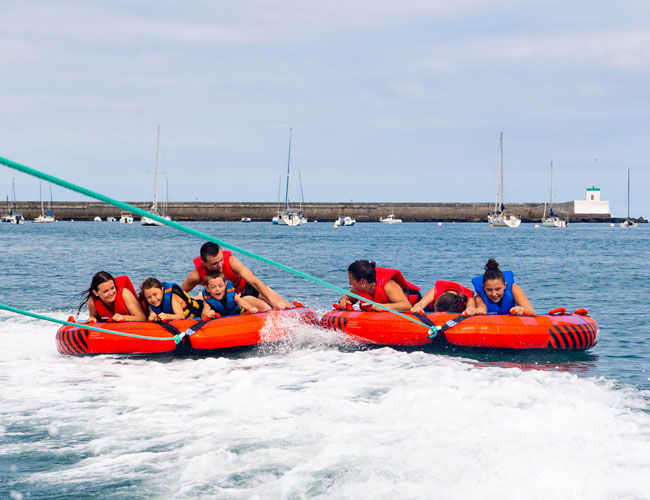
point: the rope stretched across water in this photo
(143, 213)
(176, 338)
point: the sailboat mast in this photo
(628, 193)
(13, 194)
(154, 207)
(40, 195)
(286, 196)
(302, 195)
(49, 206)
(550, 201)
(499, 201)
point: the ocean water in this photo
(314, 416)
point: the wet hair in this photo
(363, 269)
(209, 249)
(492, 271)
(146, 285)
(451, 302)
(210, 275)
(98, 279)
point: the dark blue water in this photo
(315, 417)
(601, 268)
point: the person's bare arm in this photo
(193, 279)
(273, 297)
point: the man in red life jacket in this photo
(247, 285)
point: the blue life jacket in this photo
(193, 307)
(226, 306)
(507, 301)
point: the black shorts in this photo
(249, 290)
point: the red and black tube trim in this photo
(572, 336)
(334, 322)
(73, 341)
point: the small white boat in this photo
(12, 216)
(289, 216)
(126, 218)
(628, 223)
(553, 220)
(501, 217)
(97, 219)
(111, 219)
(245, 219)
(344, 221)
(391, 219)
(45, 218)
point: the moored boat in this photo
(144, 337)
(555, 330)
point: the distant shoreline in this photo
(322, 211)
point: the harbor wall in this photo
(324, 211)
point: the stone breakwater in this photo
(325, 211)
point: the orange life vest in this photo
(384, 275)
(230, 275)
(106, 312)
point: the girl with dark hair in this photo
(379, 284)
(111, 299)
(446, 296)
(498, 293)
(168, 301)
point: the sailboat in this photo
(501, 217)
(45, 217)
(628, 223)
(289, 216)
(553, 220)
(12, 216)
(147, 221)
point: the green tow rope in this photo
(177, 338)
(193, 232)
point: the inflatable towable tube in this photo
(219, 333)
(555, 330)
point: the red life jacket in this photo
(105, 312)
(442, 286)
(384, 275)
(230, 275)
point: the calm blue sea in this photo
(315, 417)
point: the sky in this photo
(388, 101)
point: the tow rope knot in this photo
(433, 331)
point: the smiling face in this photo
(494, 289)
(216, 287)
(214, 262)
(106, 292)
(154, 296)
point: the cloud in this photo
(609, 49)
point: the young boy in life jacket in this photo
(168, 301)
(219, 297)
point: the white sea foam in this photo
(307, 419)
